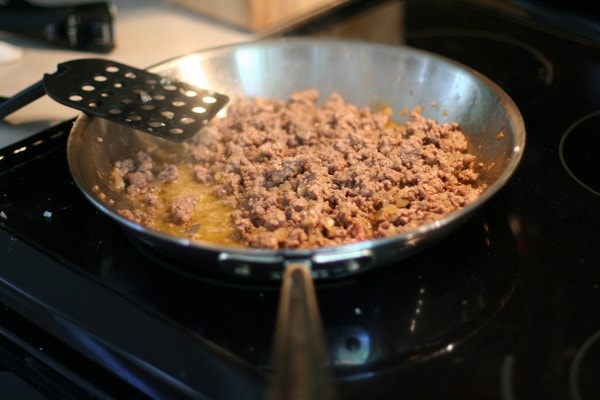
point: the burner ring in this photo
(517, 67)
(575, 151)
(575, 380)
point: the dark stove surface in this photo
(505, 308)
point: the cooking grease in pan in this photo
(295, 174)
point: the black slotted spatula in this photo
(133, 97)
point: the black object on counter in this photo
(84, 27)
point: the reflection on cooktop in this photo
(424, 306)
(406, 312)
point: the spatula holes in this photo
(151, 81)
(187, 120)
(175, 131)
(199, 110)
(126, 100)
(147, 107)
(112, 69)
(114, 111)
(76, 98)
(209, 99)
(159, 97)
(134, 117)
(130, 75)
(118, 84)
(178, 103)
(167, 114)
(156, 124)
(88, 88)
(94, 104)
(190, 93)
(106, 94)
(170, 87)
(100, 78)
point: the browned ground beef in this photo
(303, 176)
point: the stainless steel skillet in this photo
(364, 74)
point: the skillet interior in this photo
(365, 74)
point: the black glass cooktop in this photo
(505, 308)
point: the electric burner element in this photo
(584, 375)
(579, 151)
(515, 66)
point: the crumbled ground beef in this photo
(182, 208)
(301, 176)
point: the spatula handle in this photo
(21, 99)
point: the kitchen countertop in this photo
(146, 33)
